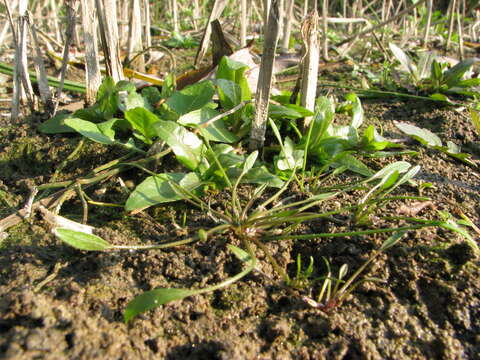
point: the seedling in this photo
(435, 79)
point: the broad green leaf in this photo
(468, 83)
(107, 127)
(250, 161)
(81, 240)
(107, 98)
(152, 299)
(215, 131)
(191, 98)
(228, 69)
(321, 122)
(436, 71)
(455, 74)
(186, 145)
(357, 110)
(425, 64)
(234, 71)
(399, 166)
(152, 94)
(89, 130)
(198, 117)
(475, 115)
(135, 100)
(404, 60)
(157, 189)
(287, 111)
(257, 175)
(424, 136)
(389, 181)
(56, 124)
(441, 97)
(125, 85)
(289, 158)
(454, 151)
(169, 85)
(229, 93)
(352, 164)
(142, 121)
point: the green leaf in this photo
(456, 73)
(157, 189)
(215, 131)
(357, 110)
(250, 161)
(289, 158)
(451, 225)
(399, 166)
(56, 124)
(169, 85)
(424, 136)
(404, 60)
(89, 130)
(230, 69)
(475, 115)
(229, 93)
(290, 111)
(425, 64)
(260, 175)
(125, 85)
(135, 100)
(392, 240)
(186, 145)
(143, 120)
(468, 83)
(352, 164)
(321, 122)
(191, 98)
(441, 97)
(152, 94)
(107, 99)
(81, 240)
(154, 298)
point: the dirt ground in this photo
(60, 303)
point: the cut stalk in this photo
(257, 134)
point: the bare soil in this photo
(60, 303)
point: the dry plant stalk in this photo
(68, 42)
(265, 77)
(309, 64)
(382, 24)
(135, 47)
(324, 29)
(107, 18)
(243, 23)
(44, 89)
(452, 8)
(287, 31)
(92, 64)
(176, 27)
(217, 10)
(429, 21)
(22, 85)
(146, 30)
